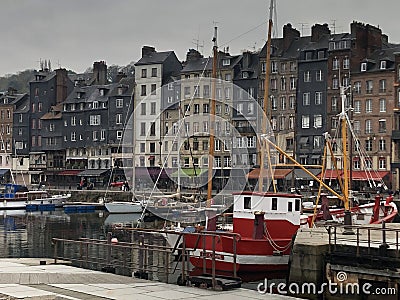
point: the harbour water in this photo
(29, 234)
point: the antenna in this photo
(302, 27)
(333, 24)
(197, 43)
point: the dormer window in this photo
(120, 90)
(226, 62)
(245, 75)
(383, 64)
(95, 104)
(101, 92)
(363, 67)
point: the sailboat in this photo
(264, 223)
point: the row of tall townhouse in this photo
(83, 125)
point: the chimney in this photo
(192, 55)
(100, 72)
(246, 59)
(367, 38)
(148, 50)
(318, 30)
(289, 35)
(61, 85)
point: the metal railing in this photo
(148, 252)
(364, 238)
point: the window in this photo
(51, 127)
(143, 90)
(228, 77)
(205, 145)
(196, 91)
(382, 125)
(318, 98)
(283, 84)
(195, 127)
(119, 103)
(382, 163)
(382, 105)
(94, 135)
(103, 134)
(357, 87)
(292, 83)
(144, 73)
(368, 163)
(369, 86)
(317, 142)
(143, 109)
(368, 126)
(206, 91)
(142, 128)
(206, 108)
(306, 99)
(119, 134)
(335, 83)
(383, 65)
(283, 103)
(368, 145)
(153, 72)
(356, 164)
(292, 102)
(205, 126)
(346, 63)
(319, 75)
(153, 89)
(368, 106)
(273, 84)
(382, 86)
(363, 67)
(357, 126)
(20, 119)
(274, 67)
(307, 76)
(357, 106)
(226, 62)
(293, 66)
(118, 119)
(305, 121)
(73, 136)
(346, 81)
(196, 109)
(317, 121)
(217, 161)
(335, 64)
(282, 122)
(321, 54)
(247, 202)
(152, 129)
(152, 108)
(274, 204)
(169, 99)
(382, 145)
(94, 120)
(308, 55)
(186, 90)
(227, 93)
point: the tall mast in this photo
(343, 121)
(266, 103)
(212, 120)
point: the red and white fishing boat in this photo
(265, 223)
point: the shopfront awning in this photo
(69, 172)
(189, 172)
(302, 175)
(93, 173)
(369, 175)
(332, 174)
(4, 171)
(278, 173)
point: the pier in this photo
(368, 255)
(38, 278)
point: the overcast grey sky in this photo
(75, 33)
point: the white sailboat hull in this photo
(124, 207)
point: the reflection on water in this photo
(29, 234)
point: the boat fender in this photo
(114, 241)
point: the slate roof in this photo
(154, 58)
(92, 93)
(198, 65)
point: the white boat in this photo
(15, 196)
(120, 207)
